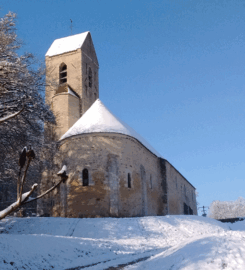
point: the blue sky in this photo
(172, 70)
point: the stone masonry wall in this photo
(109, 159)
(89, 60)
(180, 191)
(74, 71)
(90, 94)
(66, 110)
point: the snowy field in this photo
(170, 242)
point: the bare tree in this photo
(23, 199)
(22, 107)
(29, 155)
(11, 116)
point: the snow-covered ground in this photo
(170, 242)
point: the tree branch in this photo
(18, 203)
(46, 192)
(11, 116)
(23, 179)
(24, 198)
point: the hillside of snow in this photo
(169, 242)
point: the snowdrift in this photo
(170, 242)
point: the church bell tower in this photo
(72, 79)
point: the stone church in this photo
(112, 170)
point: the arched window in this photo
(129, 180)
(90, 77)
(63, 73)
(85, 177)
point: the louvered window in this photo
(63, 73)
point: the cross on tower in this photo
(71, 25)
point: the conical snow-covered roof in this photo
(99, 119)
(67, 44)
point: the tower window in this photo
(63, 73)
(129, 180)
(85, 177)
(90, 77)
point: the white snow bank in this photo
(209, 253)
(98, 118)
(170, 242)
(67, 44)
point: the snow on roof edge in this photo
(85, 133)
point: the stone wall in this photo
(109, 159)
(74, 73)
(180, 191)
(66, 108)
(89, 60)
(157, 188)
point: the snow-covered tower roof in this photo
(98, 118)
(67, 44)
